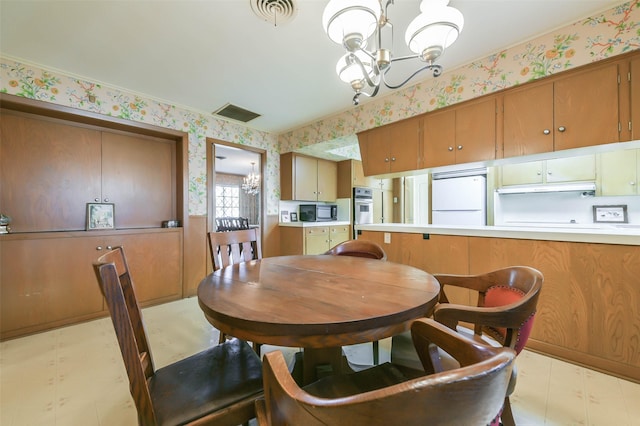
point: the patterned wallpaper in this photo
(611, 33)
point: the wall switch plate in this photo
(387, 238)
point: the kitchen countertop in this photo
(613, 234)
(312, 224)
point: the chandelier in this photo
(352, 22)
(251, 182)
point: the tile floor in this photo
(75, 376)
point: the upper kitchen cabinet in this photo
(351, 174)
(634, 90)
(570, 169)
(619, 172)
(391, 148)
(573, 111)
(461, 134)
(305, 178)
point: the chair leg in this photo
(507, 415)
(223, 338)
(376, 353)
(257, 347)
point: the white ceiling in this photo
(204, 54)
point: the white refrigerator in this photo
(459, 200)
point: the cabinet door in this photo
(306, 178)
(47, 282)
(138, 176)
(374, 149)
(476, 131)
(327, 180)
(438, 139)
(523, 173)
(339, 234)
(155, 261)
(316, 240)
(359, 179)
(403, 145)
(635, 98)
(619, 172)
(570, 169)
(528, 120)
(49, 170)
(586, 108)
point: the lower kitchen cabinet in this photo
(588, 306)
(47, 280)
(311, 240)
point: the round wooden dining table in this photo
(319, 303)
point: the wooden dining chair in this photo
(231, 247)
(358, 248)
(216, 386)
(507, 302)
(382, 395)
(367, 249)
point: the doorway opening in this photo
(235, 183)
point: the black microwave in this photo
(318, 212)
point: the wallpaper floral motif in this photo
(611, 33)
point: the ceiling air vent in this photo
(236, 113)
(276, 12)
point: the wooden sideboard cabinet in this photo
(391, 148)
(305, 178)
(47, 279)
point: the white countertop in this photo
(312, 224)
(615, 234)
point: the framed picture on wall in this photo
(284, 216)
(100, 216)
(294, 217)
(610, 214)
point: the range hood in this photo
(589, 187)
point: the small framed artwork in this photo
(100, 216)
(294, 217)
(284, 216)
(610, 214)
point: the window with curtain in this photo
(227, 201)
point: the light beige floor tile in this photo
(75, 376)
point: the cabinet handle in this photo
(632, 183)
(546, 131)
(97, 200)
(393, 158)
(539, 173)
(99, 248)
(549, 173)
(561, 129)
(106, 200)
(450, 148)
(459, 147)
(386, 160)
(109, 248)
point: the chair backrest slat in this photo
(118, 289)
(233, 247)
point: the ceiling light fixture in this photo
(352, 22)
(251, 182)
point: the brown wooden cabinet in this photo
(634, 90)
(587, 311)
(46, 279)
(351, 174)
(577, 110)
(460, 134)
(305, 178)
(51, 169)
(391, 148)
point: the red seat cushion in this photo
(503, 295)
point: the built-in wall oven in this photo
(362, 207)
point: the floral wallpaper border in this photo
(611, 33)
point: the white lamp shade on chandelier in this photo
(251, 182)
(351, 23)
(435, 29)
